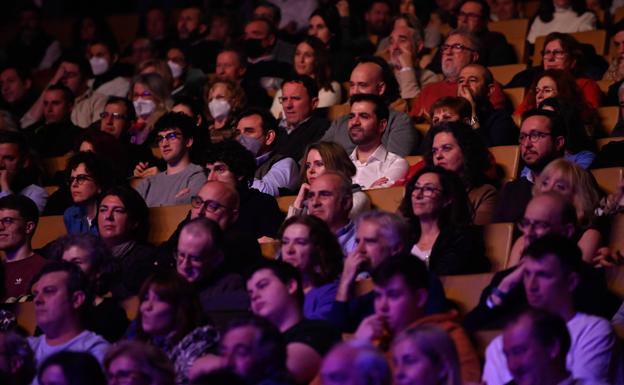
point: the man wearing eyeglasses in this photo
(18, 221)
(460, 49)
(541, 141)
(182, 179)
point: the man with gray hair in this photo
(460, 49)
(355, 363)
(404, 56)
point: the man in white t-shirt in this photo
(551, 270)
(376, 167)
(61, 296)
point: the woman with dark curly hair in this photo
(565, 16)
(71, 368)
(437, 208)
(456, 147)
(310, 246)
(123, 224)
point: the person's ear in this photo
(291, 287)
(115, 57)
(270, 138)
(475, 57)
(315, 102)
(381, 88)
(555, 350)
(27, 84)
(30, 227)
(383, 124)
(189, 142)
(490, 89)
(559, 143)
(573, 281)
(419, 47)
(202, 28)
(271, 39)
(78, 298)
(421, 298)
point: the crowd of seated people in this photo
(311, 192)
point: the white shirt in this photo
(380, 163)
(565, 21)
(589, 358)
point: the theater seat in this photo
(284, 202)
(131, 306)
(600, 143)
(503, 74)
(269, 249)
(386, 199)
(164, 220)
(465, 290)
(608, 178)
(49, 228)
(508, 159)
(336, 111)
(54, 164)
(515, 95)
(25, 316)
(413, 159)
(498, 238)
(608, 118)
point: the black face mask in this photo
(253, 48)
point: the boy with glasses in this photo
(182, 179)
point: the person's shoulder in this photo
(587, 322)
(88, 340)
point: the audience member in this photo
(318, 158)
(251, 347)
(127, 360)
(312, 59)
(400, 298)
(17, 363)
(89, 177)
(300, 126)
(551, 273)
(182, 179)
(357, 364)
(224, 99)
(309, 245)
(187, 80)
(375, 166)
(456, 147)
(106, 317)
(425, 355)
(62, 298)
(18, 174)
(169, 318)
(450, 109)
(108, 77)
(438, 210)
(123, 225)
(192, 27)
(150, 96)
(276, 174)
(541, 141)
(377, 25)
(561, 16)
(276, 294)
(372, 75)
(19, 217)
(232, 65)
(330, 199)
(68, 367)
(200, 260)
(17, 89)
(495, 126)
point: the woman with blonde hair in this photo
(223, 100)
(156, 66)
(318, 158)
(576, 185)
(425, 355)
(151, 97)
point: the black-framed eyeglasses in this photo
(114, 115)
(456, 48)
(213, 206)
(557, 53)
(426, 190)
(80, 179)
(533, 136)
(469, 15)
(168, 137)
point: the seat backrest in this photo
(131, 306)
(530, 8)
(618, 15)
(48, 229)
(510, 28)
(604, 85)
(386, 199)
(413, 159)
(124, 27)
(600, 143)
(363, 286)
(596, 38)
(503, 74)
(465, 290)
(423, 128)
(336, 111)
(508, 158)
(284, 201)
(25, 316)
(54, 164)
(498, 238)
(269, 249)
(608, 118)
(515, 95)
(608, 178)
(164, 220)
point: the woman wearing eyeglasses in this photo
(123, 224)
(89, 176)
(437, 208)
(151, 97)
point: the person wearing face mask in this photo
(187, 81)
(108, 75)
(276, 174)
(150, 96)
(223, 98)
(192, 28)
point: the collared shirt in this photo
(288, 128)
(282, 174)
(380, 163)
(346, 238)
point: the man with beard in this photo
(541, 141)
(377, 19)
(460, 49)
(376, 167)
(494, 124)
(192, 27)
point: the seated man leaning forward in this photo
(182, 179)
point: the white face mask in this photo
(99, 65)
(219, 108)
(176, 69)
(144, 107)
